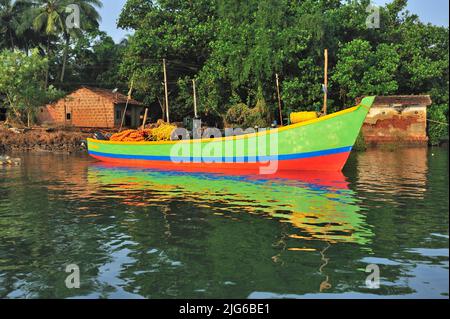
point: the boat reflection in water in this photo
(320, 206)
(315, 210)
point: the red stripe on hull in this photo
(328, 163)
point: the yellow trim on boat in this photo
(270, 131)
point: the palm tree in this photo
(89, 19)
(27, 37)
(50, 17)
(11, 13)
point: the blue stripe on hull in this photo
(227, 159)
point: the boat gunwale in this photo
(236, 137)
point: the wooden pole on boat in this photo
(166, 91)
(325, 84)
(279, 100)
(126, 104)
(145, 119)
(195, 98)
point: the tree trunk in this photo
(28, 118)
(11, 38)
(163, 109)
(65, 57)
(47, 70)
(16, 114)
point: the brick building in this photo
(92, 107)
(400, 119)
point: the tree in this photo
(362, 70)
(89, 19)
(424, 60)
(175, 30)
(258, 39)
(22, 84)
(438, 123)
(11, 20)
(234, 49)
(50, 17)
(134, 13)
(95, 60)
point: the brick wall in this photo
(403, 125)
(86, 109)
(399, 119)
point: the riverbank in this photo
(72, 140)
(39, 139)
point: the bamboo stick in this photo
(145, 119)
(279, 100)
(325, 85)
(126, 104)
(166, 91)
(195, 99)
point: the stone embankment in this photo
(42, 140)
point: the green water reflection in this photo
(147, 234)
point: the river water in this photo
(136, 233)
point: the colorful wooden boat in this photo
(321, 144)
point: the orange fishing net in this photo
(130, 136)
(161, 133)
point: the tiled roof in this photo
(403, 100)
(116, 98)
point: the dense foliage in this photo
(234, 49)
(75, 51)
(437, 128)
(21, 82)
